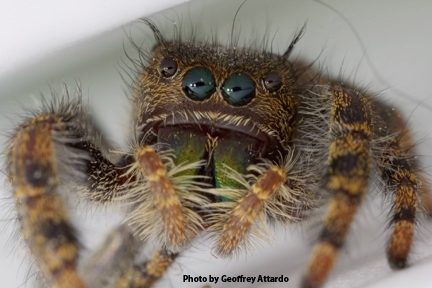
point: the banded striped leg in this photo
(42, 214)
(398, 148)
(38, 155)
(397, 171)
(165, 198)
(401, 180)
(115, 263)
(176, 223)
(146, 274)
(348, 173)
(248, 208)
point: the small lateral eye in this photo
(198, 83)
(168, 67)
(238, 89)
(272, 81)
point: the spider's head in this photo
(208, 101)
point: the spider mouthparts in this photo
(219, 147)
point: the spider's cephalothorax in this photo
(226, 140)
(220, 107)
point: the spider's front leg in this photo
(164, 198)
(46, 155)
(349, 163)
(168, 208)
(55, 151)
(248, 208)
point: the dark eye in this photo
(273, 81)
(168, 67)
(198, 83)
(238, 89)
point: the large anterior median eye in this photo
(238, 89)
(198, 83)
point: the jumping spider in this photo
(225, 141)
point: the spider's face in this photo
(217, 104)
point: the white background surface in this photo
(31, 30)
(397, 62)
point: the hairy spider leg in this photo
(147, 273)
(165, 198)
(403, 183)
(405, 140)
(41, 212)
(348, 172)
(44, 151)
(248, 209)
